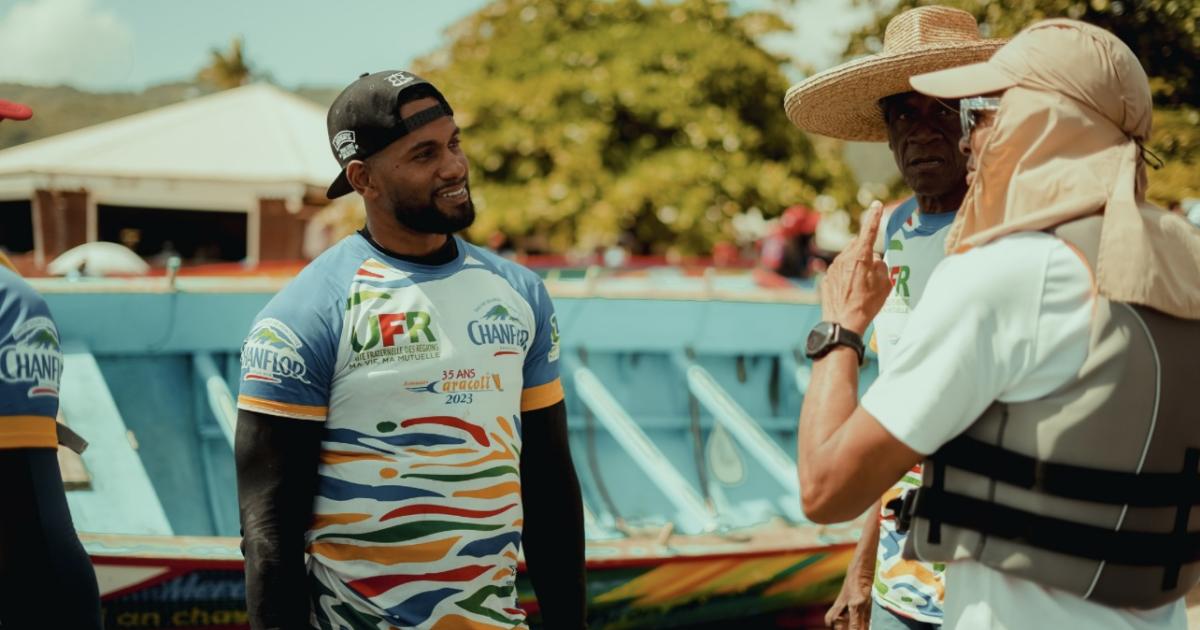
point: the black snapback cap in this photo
(365, 118)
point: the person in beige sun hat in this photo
(1050, 390)
(870, 99)
(1080, 123)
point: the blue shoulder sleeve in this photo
(30, 366)
(542, 386)
(540, 373)
(289, 357)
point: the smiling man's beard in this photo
(428, 218)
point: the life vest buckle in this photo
(904, 507)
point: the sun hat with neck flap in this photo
(843, 102)
(1067, 143)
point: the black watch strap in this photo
(846, 337)
(826, 336)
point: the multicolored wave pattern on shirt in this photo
(906, 587)
(442, 552)
(916, 244)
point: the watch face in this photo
(820, 336)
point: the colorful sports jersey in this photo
(30, 366)
(915, 245)
(420, 374)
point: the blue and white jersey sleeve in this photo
(289, 356)
(30, 366)
(542, 386)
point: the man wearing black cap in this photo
(385, 397)
(46, 578)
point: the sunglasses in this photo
(970, 110)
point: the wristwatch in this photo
(826, 335)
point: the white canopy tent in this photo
(222, 152)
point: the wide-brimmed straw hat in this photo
(843, 102)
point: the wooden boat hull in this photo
(182, 582)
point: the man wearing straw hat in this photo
(1052, 386)
(869, 99)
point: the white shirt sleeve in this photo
(1008, 321)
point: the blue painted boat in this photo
(683, 392)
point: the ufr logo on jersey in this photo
(499, 327)
(33, 357)
(382, 337)
(271, 353)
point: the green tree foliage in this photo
(1165, 35)
(589, 121)
(1176, 139)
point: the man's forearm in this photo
(831, 397)
(276, 470)
(554, 551)
(44, 570)
(868, 544)
(847, 458)
(276, 582)
(552, 536)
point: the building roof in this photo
(217, 152)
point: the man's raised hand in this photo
(857, 284)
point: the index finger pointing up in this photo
(869, 227)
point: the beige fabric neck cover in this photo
(1066, 144)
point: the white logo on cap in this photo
(400, 79)
(344, 143)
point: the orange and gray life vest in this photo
(1094, 488)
